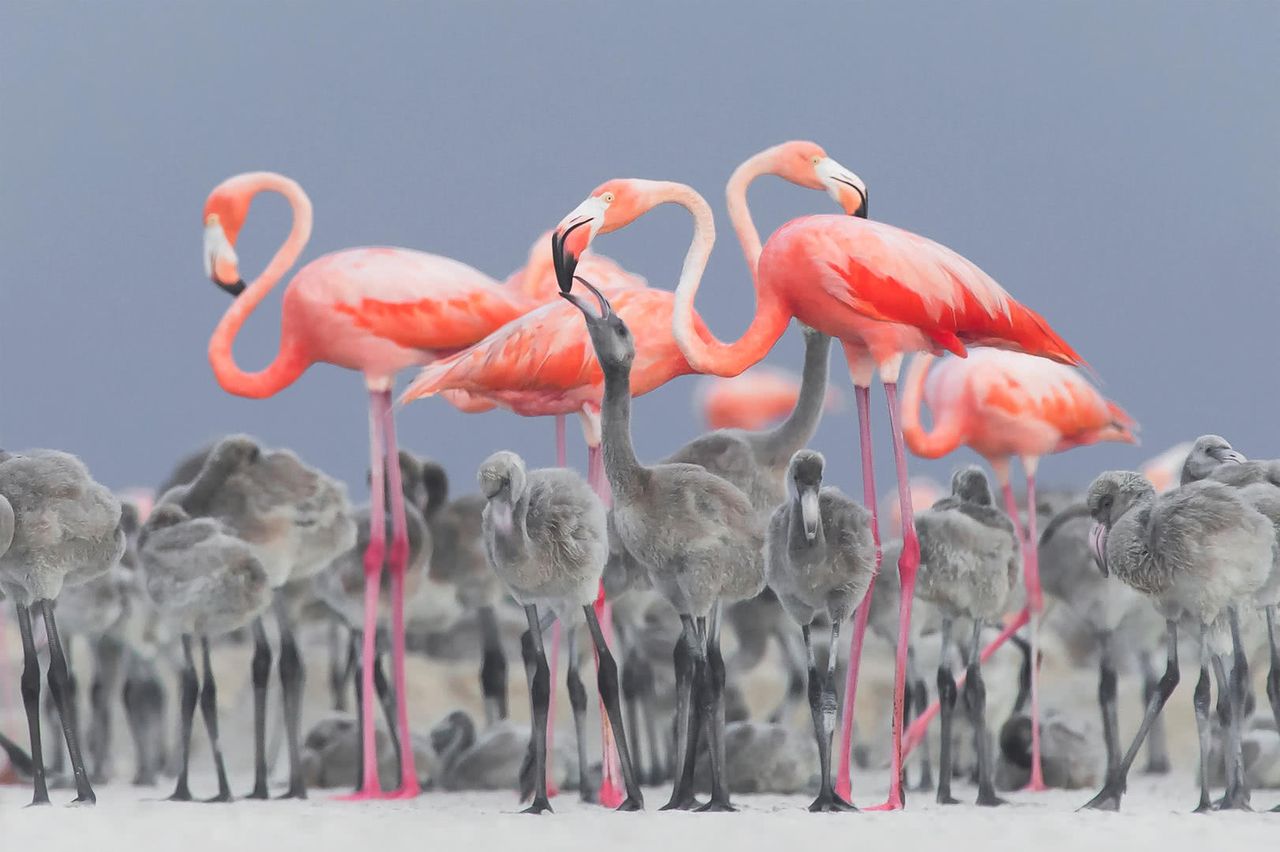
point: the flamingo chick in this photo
(547, 538)
(819, 559)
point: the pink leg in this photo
(908, 565)
(371, 787)
(1035, 604)
(398, 563)
(916, 732)
(612, 792)
(1011, 509)
(843, 787)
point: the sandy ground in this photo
(1155, 816)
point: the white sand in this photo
(1156, 816)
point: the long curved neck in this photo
(290, 360)
(736, 201)
(621, 466)
(792, 434)
(706, 354)
(948, 431)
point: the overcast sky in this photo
(1112, 164)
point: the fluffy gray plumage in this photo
(820, 556)
(1258, 484)
(200, 575)
(756, 462)
(969, 553)
(296, 518)
(1195, 550)
(65, 526)
(457, 557)
(545, 534)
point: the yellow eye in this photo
(607, 198)
(816, 159)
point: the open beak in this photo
(572, 236)
(809, 513)
(220, 262)
(606, 310)
(846, 188)
(1098, 543)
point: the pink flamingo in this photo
(544, 364)
(1164, 471)
(373, 310)
(882, 291)
(1002, 405)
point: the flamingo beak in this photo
(220, 261)
(1098, 543)
(571, 238)
(844, 187)
(809, 513)
(606, 310)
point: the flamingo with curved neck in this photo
(882, 291)
(373, 310)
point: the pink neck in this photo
(705, 353)
(948, 432)
(290, 360)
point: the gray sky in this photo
(1114, 165)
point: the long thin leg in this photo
(710, 695)
(607, 684)
(1204, 727)
(920, 701)
(338, 670)
(1035, 602)
(1108, 798)
(1273, 676)
(370, 786)
(822, 706)
(144, 702)
(1158, 741)
(292, 680)
(908, 566)
(611, 793)
(355, 642)
(1107, 704)
(578, 703)
(261, 674)
(209, 711)
(682, 797)
(539, 697)
(387, 701)
(1237, 798)
(190, 690)
(398, 563)
(31, 701)
(843, 787)
(60, 685)
(493, 667)
(1223, 720)
(553, 667)
(975, 699)
(108, 671)
(947, 703)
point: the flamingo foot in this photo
(611, 796)
(684, 803)
(539, 806)
(1108, 799)
(363, 796)
(259, 793)
(410, 789)
(894, 803)
(716, 807)
(990, 800)
(630, 804)
(844, 790)
(1035, 785)
(293, 793)
(219, 799)
(829, 803)
(89, 800)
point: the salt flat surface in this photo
(1156, 816)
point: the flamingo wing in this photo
(411, 298)
(892, 275)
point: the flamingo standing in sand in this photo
(882, 291)
(373, 310)
(1005, 405)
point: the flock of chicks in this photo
(239, 530)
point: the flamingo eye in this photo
(815, 159)
(607, 198)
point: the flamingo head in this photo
(224, 214)
(1110, 496)
(807, 164)
(502, 479)
(612, 340)
(1207, 454)
(971, 485)
(806, 475)
(612, 205)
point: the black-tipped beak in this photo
(234, 289)
(606, 310)
(860, 208)
(565, 258)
